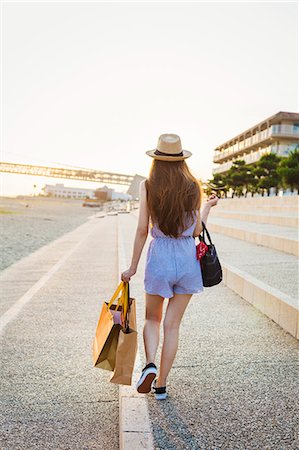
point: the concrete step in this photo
(265, 277)
(272, 267)
(284, 239)
(277, 205)
(284, 219)
(134, 425)
(291, 210)
(292, 201)
(278, 306)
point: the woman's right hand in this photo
(212, 200)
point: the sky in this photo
(93, 84)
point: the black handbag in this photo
(210, 266)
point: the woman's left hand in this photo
(127, 274)
(212, 200)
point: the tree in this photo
(249, 180)
(218, 183)
(267, 173)
(288, 169)
(239, 177)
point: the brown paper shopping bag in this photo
(127, 343)
(108, 328)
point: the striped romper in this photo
(171, 263)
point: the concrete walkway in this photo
(52, 397)
(234, 382)
(233, 385)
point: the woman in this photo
(171, 199)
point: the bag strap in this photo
(129, 301)
(126, 308)
(203, 234)
(121, 300)
(125, 301)
(118, 289)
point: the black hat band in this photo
(157, 152)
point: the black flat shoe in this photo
(148, 375)
(159, 392)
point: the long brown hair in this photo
(172, 194)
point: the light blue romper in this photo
(171, 263)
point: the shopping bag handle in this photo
(126, 308)
(120, 287)
(124, 301)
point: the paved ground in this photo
(25, 229)
(234, 384)
(52, 397)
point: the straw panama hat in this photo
(169, 148)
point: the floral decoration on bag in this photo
(201, 250)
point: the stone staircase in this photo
(257, 243)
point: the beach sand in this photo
(24, 229)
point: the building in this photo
(120, 196)
(104, 193)
(59, 190)
(111, 194)
(278, 134)
(133, 190)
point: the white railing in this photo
(222, 167)
(249, 158)
(284, 149)
(285, 130)
(274, 130)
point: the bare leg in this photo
(174, 313)
(153, 316)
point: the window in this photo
(276, 129)
(296, 128)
